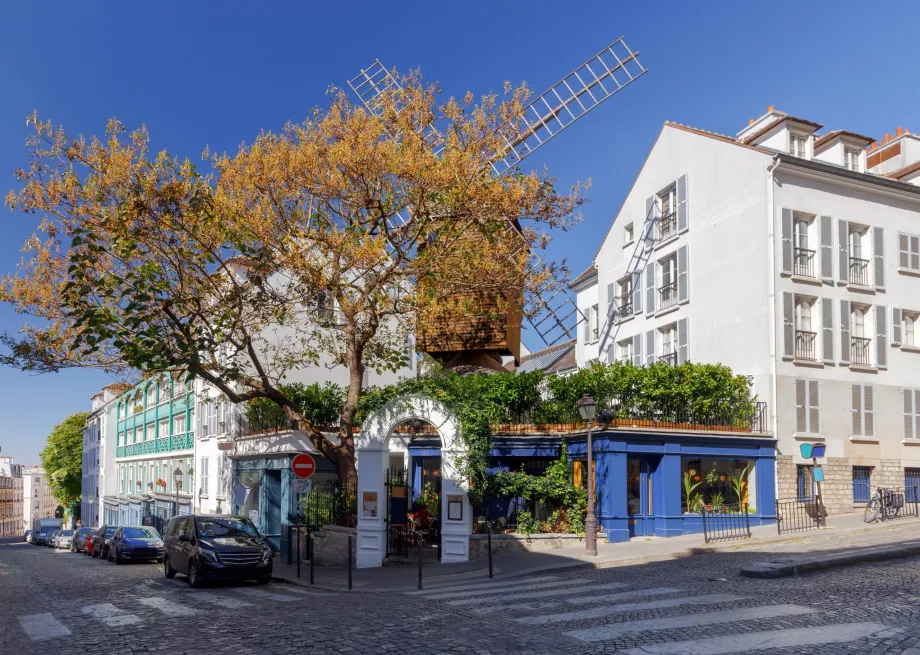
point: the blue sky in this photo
(215, 73)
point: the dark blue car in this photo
(136, 543)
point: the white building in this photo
(793, 258)
(37, 500)
(98, 455)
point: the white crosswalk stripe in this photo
(573, 589)
(602, 633)
(166, 606)
(609, 610)
(484, 584)
(638, 593)
(748, 642)
(42, 626)
(265, 595)
(488, 592)
(109, 615)
(221, 601)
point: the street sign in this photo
(303, 465)
(301, 486)
(806, 450)
(818, 450)
(819, 474)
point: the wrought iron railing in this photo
(669, 358)
(725, 417)
(805, 345)
(798, 514)
(667, 295)
(330, 503)
(667, 226)
(153, 446)
(859, 271)
(625, 308)
(729, 523)
(803, 262)
(860, 350)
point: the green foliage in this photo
(428, 499)
(321, 404)
(689, 488)
(739, 483)
(716, 500)
(62, 458)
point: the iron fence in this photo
(804, 262)
(667, 226)
(798, 514)
(861, 349)
(667, 295)
(899, 503)
(859, 271)
(730, 523)
(632, 411)
(331, 503)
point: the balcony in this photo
(803, 262)
(154, 446)
(805, 345)
(859, 271)
(859, 351)
(670, 359)
(667, 295)
(667, 226)
(625, 309)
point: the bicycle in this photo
(886, 502)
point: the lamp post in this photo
(586, 408)
(177, 476)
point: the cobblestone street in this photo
(696, 605)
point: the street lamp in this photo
(177, 476)
(586, 408)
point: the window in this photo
(151, 395)
(851, 159)
(667, 224)
(720, 483)
(911, 413)
(859, 258)
(151, 432)
(626, 351)
(862, 488)
(861, 344)
(203, 475)
(179, 424)
(669, 345)
(163, 428)
(796, 144)
(909, 252)
(667, 293)
(625, 288)
(807, 406)
(805, 481)
(910, 329)
(803, 256)
(863, 410)
(804, 335)
(912, 484)
(628, 234)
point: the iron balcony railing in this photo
(859, 271)
(860, 348)
(670, 359)
(641, 412)
(625, 309)
(667, 226)
(667, 295)
(805, 345)
(804, 262)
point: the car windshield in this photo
(228, 527)
(65, 533)
(140, 533)
(110, 531)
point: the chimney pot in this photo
(750, 121)
(900, 131)
(887, 138)
(770, 109)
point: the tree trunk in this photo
(345, 466)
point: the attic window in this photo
(851, 159)
(796, 144)
(628, 234)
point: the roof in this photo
(567, 362)
(544, 360)
(759, 133)
(590, 272)
(717, 137)
(830, 136)
(904, 172)
(839, 171)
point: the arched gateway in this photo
(372, 457)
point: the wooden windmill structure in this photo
(481, 337)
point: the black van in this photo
(216, 547)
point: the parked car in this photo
(49, 540)
(88, 542)
(103, 540)
(28, 536)
(79, 539)
(216, 546)
(63, 539)
(38, 538)
(136, 543)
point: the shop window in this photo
(716, 484)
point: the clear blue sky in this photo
(215, 73)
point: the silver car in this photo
(63, 539)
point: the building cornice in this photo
(823, 170)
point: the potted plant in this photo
(428, 499)
(689, 488)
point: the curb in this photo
(795, 566)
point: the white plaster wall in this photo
(832, 154)
(585, 352)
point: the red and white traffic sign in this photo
(303, 465)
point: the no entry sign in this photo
(303, 465)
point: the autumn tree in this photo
(307, 245)
(62, 459)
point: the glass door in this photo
(639, 496)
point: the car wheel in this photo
(168, 571)
(194, 578)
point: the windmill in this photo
(549, 309)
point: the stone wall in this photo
(837, 489)
(505, 544)
(330, 545)
(786, 485)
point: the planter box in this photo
(504, 544)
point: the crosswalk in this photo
(650, 620)
(151, 602)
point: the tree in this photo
(63, 458)
(325, 242)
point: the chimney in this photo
(872, 147)
(770, 109)
(750, 121)
(900, 131)
(887, 138)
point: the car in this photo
(49, 540)
(103, 540)
(79, 539)
(136, 543)
(28, 536)
(63, 539)
(216, 546)
(37, 538)
(88, 542)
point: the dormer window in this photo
(796, 144)
(851, 159)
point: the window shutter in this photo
(650, 288)
(909, 432)
(903, 251)
(650, 347)
(814, 406)
(868, 411)
(843, 274)
(588, 324)
(637, 292)
(788, 327)
(878, 252)
(637, 350)
(915, 253)
(895, 326)
(827, 336)
(857, 409)
(881, 336)
(827, 249)
(611, 300)
(844, 332)
(683, 204)
(682, 337)
(787, 242)
(801, 406)
(683, 290)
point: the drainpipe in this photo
(774, 420)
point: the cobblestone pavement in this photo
(698, 605)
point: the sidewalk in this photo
(637, 551)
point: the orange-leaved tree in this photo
(306, 246)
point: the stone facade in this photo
(786, 486)
(330, 545)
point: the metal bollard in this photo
(310, 546)
(490, 549)
(419, 541)
(298, 551)
(349, 562)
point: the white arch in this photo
(371, 458)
